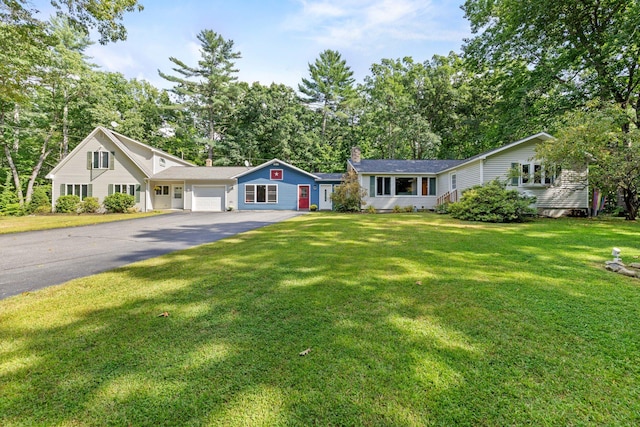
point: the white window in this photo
(161, 190)
(125, 188)
(256, 193)
(536, 174)
(428, 186)
(80, 190)
(406, 186)
(383, 186)
(100, 160)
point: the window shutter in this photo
(110, 189)
(372, 186)
(432, 186)
(112, 160)
(89, 190)
(137, 193)
(515, 179)
(62, 188)
(89, 160)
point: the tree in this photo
(102, 15)
(330, 85)
(604, 138)
(348, 196)
(579, 50)
(208, 90)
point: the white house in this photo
(424, 184)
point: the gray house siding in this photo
(77, 171)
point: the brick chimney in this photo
(355, 155)
(208, 163)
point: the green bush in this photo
(370, 209)
(313, 207)
(408, 208)
(40, 199)
(397, 209)
(119, 202)
(68, 204)
(442, 208)
(348, 196)
(90, 205)
(13, 209)
(492, 203)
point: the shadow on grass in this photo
(409, 321)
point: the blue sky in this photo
(279, 38)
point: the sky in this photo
(278, 39)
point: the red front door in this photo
(303, 197)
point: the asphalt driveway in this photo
(34, 260)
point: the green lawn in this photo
(18, 224)
(412, 319)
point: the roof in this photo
(274, 162)
(122, 143)
(198, 173)
(542, 136)
(404, 166)
(433, 166)
(329, 176)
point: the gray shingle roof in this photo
(329, 176)
(405, 166)
(198, 173)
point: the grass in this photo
(18, 224)
(412, 319)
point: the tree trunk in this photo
(631, 203)
(65, 127)
(14, 173)
(44, 153)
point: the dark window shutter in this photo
(62, 188)
(112, 160)
(110, 189)
(372, 186)
(137, 193)
(89, 160)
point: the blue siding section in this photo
(287, 188)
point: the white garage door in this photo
(208, 198)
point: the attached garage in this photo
(209, 198)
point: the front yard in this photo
(411, 319)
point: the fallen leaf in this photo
(164, 314)
(418, 282)
(305, 352)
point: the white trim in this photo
(266, 194)
(272, 162)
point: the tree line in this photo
(530, 66)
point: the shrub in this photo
(13, 209)
(40, 199)
(371, 209)
(90, 205)
(492, 203)
(68, 204)
(119, 202)
(408, 208)
(313, 207)
(442, 208)
(397, 209)
(348, 196)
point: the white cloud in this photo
(360, 24)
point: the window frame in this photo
(431, 189)
(261, 193)
(100, 160)
(382, 189)
(83, 189)
(131, 189)
(412, 185)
